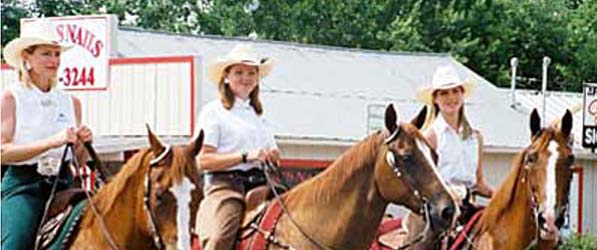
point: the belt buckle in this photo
(48, 166)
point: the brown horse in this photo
(149, 204)
(342, 207)
(530, 205)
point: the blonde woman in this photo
(237, 140)
(37, 121)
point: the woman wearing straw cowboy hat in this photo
(237, 140)
(449, 132)
(37, 121)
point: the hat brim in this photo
(215, 70)
(425, 95)
(12, 51)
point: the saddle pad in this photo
(62, 240)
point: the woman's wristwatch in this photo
(244, 157)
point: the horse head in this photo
(548, 162)
(406, 172)
(172, 192)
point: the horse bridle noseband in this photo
(153, 222)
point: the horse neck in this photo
(128, 226)
(345, 197)
(510, 210)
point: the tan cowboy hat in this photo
(39, 32)
(445, 77)
(241, 54)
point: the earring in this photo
(27, 66)
(226, 81)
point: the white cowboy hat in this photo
(445, 77)
(241, 54)
(39, 32)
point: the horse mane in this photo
(349, 165)
(135, 167)
(504, 195)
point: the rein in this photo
(270, 237)
(158, 242)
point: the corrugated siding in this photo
(156, 93)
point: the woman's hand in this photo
(66, 136)
(84, 134)
(271, 156)
(483, 190)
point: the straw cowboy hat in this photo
(39, 32)
(445, 77)
(241, 54)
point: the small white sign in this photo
(86, 65)
(589, 116)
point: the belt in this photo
(251, 177)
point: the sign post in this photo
(86, 65)
(589, 128)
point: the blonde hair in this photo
(433, 112)
(24, 76)
(227, 96)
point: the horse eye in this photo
(405, 157)
(531, 159)
(570, 160)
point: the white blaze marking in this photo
(550, 188)
(427, 153)
(182, 194)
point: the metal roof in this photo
(323, 93)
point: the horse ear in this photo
(419, 120)
(154, 142)
(567, 123)
(197, 144)
(390, 118)
(535, 123)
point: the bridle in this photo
(158, 242)
(538, 218)
(410, 182)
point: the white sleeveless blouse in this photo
(458, 158)
(39, 115)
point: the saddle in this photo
(63, 213)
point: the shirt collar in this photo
(443, 126)
(242, 104)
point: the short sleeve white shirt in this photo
(239, 129)
(458, 158)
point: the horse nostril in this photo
(448, 212)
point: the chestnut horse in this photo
(149, 204)
(530, 206)
(341, 207)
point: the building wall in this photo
(158, 92)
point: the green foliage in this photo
(482, 34)
(577, 242)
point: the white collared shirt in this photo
(237, 130)
(458, 158)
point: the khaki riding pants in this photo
(220, 216)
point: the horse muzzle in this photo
(547, 226)
(443, 216)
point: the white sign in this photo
(86, 65)
(589, 127)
